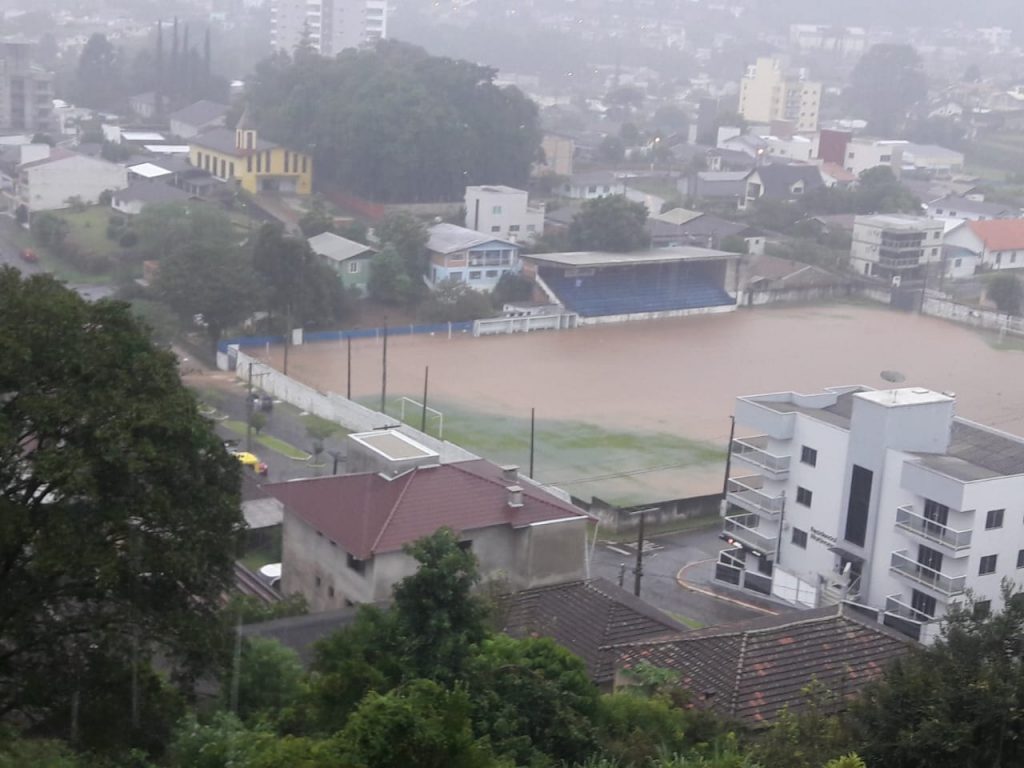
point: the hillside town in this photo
(605, 384)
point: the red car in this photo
(28, 255)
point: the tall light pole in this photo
(638, 572)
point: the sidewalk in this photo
(699, 577)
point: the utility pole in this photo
(384, 372)
(287, 335)
(348, 390)
(533, 413)
(248, 412)
(638, 572)
(728, 456)
(426, 378)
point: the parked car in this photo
(29, 256)
(252, 461)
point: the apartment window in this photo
(982, 608)
(858, 505)
(491, 273)
(850, 156)
(304, 163)
(353, 267)
(495, 229)
(248, 164)
(466, 545)
(884, 158)
(231, 170)
(957, 262)
(531, 227)
(330, 591)
(1020, 558)
(936, 235)
(318, 582)
(513, 227)
(474, 274)
(994, 519)
(355, 564)
(800, 538)
(922, 604)
(496, 209)
(987, 565)
(259, 163)
(803, 496)
(929, 558)
(456, 276)
(808, 456)
(287, 161)
(935, 251)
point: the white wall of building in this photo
(49, 186)
(329, 26)
(503, 212)
(862, 155)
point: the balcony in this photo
(949, 586)
(931, 531)
(753, 450)
(752, 531)
(896, 607)
(748, 493)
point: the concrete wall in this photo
(621, 519)
(307, 555)
(51, 185)
(968, 315)
(603, 319)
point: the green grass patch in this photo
(685, 620)
(89, 229)
(584, 459)
(268, 441)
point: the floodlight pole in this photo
(384, 371)
(533, 413)
(348, 389)
(728, 456)
(423, 420)
(248, 413)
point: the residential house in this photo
(768, 93)
(349, 260)
(704, 230)
(753, 671)
(198, 117)
(885, 497)
(589, 618)
(343, 535)
(137, 195)
(503, 212)
(765, 146)
(769, 278)
(969, 209)
(51, 182)
(26, 89)
(836, 177)
(255, 164)
(716, 185)
(932, 157)
(587, 186)
(997, 243)
(780, 181)
(863, 154)
(894, 245)
(467, 256)
(144, 105)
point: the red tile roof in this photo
(1000, 234)
(751, 671)
(367, 513)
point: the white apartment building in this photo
(864, 154)
(504, 212)
(52, 182)
(26, 89)
(768, 93)
(894, 245)
(328, 26)
(882, 497)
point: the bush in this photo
(128, 239)
(1004, 290)
(456, 302)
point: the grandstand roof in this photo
(652, 256)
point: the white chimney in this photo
(510, 473)
(515, 496)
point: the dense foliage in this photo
(610, 223)
(886, 85)
(395, 124)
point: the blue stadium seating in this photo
(618, 293)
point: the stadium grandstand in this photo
(612, 287)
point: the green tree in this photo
(611, 223)
(166, 228)
(1004, 290)
(611, 149)
(257, 420)
(955, 703)
(119, 506)
(886, 84)
(454, 301)
(511, 287)
(407, 235)
(420, 725)
(807, 737)
(218, 285)
(389, 282)
(316, 220)
(98, 80)
(439, 617)
(269, 679)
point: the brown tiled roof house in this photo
(750, 672)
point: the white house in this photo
(504, 212)
(469, 257)
(198, 117)
(587, 186)
(971, 208)
(998, 243)
(883, 497)
(49, 183)
(894, 245)
(139, 194)
(865, 154)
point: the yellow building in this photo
(257, 165)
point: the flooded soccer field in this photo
(640, 411)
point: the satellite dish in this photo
(893, 377)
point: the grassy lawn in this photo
(89, 230)
(267, 441)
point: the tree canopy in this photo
(119, 506)
(886, 83)
(397, 125)
(610, 223)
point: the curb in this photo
(708, 593)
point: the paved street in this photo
(659, 586)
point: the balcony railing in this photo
(922, 574)
(748, 493)
(932, 531)
(753, 450)
(895, 606)
(751, 530)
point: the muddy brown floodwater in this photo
(681, 375)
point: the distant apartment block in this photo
(327, 26)
(891, 245)
(844, 41)
(26, 90)
(503, 212)
(768, 93)
(886, 498)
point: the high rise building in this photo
(26, 89)
(768, 93)
(327, 26)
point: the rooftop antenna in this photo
(893, 377)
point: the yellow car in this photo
(251, 460)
